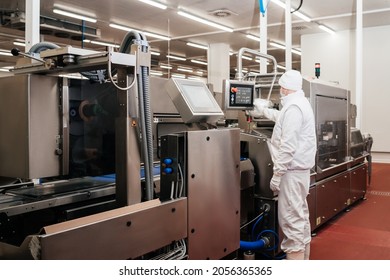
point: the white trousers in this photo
(293, 211)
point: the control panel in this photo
(172, 167)
(238, 95)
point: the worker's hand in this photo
(275, 183)
(259, 106)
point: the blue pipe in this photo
(252, 245)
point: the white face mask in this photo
(281, 93)
(282, 96)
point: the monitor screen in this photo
(198, 97)
(193, 100)
(239, 95)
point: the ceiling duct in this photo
(221, 13)
(52, 26)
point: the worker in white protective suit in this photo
(293, 152)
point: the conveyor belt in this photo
(41, 192)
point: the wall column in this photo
(218, 65)
(32, 23)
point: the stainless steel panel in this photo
(213, 193)
(260, 156)
(311, 201)
(127, 146)
(324, 173)
(64, 121)
(123, 233)
(319, 87)
(200, 108)
(161, 102)
(332, 196)
(29, 126)
(247, 174)
(358, 177)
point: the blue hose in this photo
(252, 245)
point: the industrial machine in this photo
(338, 179)
(119, 165)
(81, 171)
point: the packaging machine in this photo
(118, 165)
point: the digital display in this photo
(193, 100)
(239, 95)
(197, 96)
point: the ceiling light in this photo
(77, 76)
(246, 57)
(101, 43)
(194, 78)
(5, 53)
(302, 16)
(197, 46)
(154, 3)
(255, 38)
(280, 46)
(125, 28)
(198, 61)
(296, 52)
(259, 60)
(327, 29)
(156, 73)
(281, 67)
(165, 66)
(279, 3)
(184, 69)
(243, 70)
(19, 44)
(4, 70)
(154, 53)
(176, 57)
(201, 20)
(298, 14)
(178, 76)
(276, 45)
(73, 15)
(199, 72)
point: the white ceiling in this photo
(244, 19)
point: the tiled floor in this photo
(363, 233)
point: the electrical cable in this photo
(147, 120)
(297, 9)
(112, 79)
(177, 253)
(255, 218)
(255, 225)
(181, 180)
(262, 8)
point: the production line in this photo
(147, 168)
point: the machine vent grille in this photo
(220, 13)
(300, 27)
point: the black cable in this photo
(297, 9)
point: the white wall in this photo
(336, 53)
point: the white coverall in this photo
(293, 149)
